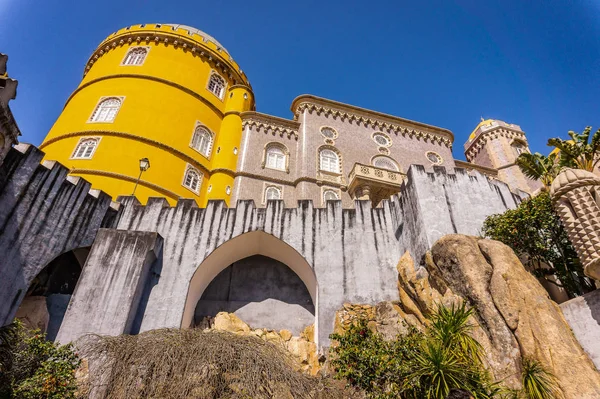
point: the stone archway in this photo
(240, 248)
(48, 295)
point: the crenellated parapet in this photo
(270, 124)
(361, 116)
(181, 37)
(43, 213)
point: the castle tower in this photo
(9, 131)
(169, 93)
(497, 144)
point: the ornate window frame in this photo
(189, 168)
(392, 160)
(441, 160)
(80, 142)
(335, 132)
(103, 99)
(325, 189)
(132, 49)
(267, 186)
(521, 143)
(220, 96)
(386, 136)
(200, 125)
(339, 155)
(286, 154)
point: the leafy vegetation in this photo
(537, 382)
(539, 167)
(33, 368)
(580, 151)
(418, 365)
(536, 234)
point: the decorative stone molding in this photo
(145, 34)
(490, 172)
(270, 124)
(576, 198)
(373, 119)
(286, 154)
(480, 141)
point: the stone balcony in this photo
(367, 182)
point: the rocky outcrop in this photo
(303, 348)
(515, 316)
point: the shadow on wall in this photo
(48, 296)
(262, 291)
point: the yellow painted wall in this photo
(163, 100)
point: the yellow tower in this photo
(169, 93)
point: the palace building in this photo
(174, 95)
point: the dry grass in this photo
(190, 363)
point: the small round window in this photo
(382, 139)
(434, 158)
(329, 132)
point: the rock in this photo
(390, 321)
(285, 335)
(230, 322)
(516, 317)
(309, 333)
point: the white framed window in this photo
(216, 85)
(85, 148)
(272, 193)
(329, 161)
(275, 158)
(434, 157)
(385, 163)
(329, 132)
(202, 141)
(382, 139)
(135, 56)
(330, 195)
(106, 110)
(192, 179)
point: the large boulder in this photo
(515, 316)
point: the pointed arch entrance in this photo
(242, 247)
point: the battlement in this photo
(185, 38)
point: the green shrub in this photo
(417, 365)
(38, 369)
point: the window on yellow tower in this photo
(106, 110)
(202, 141)
(85, 148)
(135, 56)
(192, 179)
(216, 85)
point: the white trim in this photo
(190, 168)
(97, 138)
(224, 90)
(100, 101)
(147, 48)
(210, 145)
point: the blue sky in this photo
(535, 63)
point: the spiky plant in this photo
(539, 167)
(451, 328)
(538, 383)
(581, 151)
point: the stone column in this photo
(575, 195)
(108, 293)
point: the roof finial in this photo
(482, 118)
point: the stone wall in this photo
(43, 213)
(583, 315)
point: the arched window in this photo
(272, 193)
(216, 85)
(330, 195)
(202, 141)
(192, 180)
(106, 110)
(85, 148)
(135, 56)
(385, 163)
(275, 158)
(329, 161)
